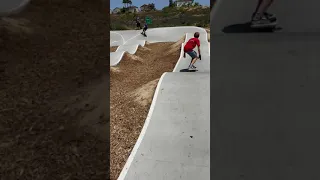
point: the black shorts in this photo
(138, 24)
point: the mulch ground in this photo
(113, 48)
(53, 66)
(132, 85)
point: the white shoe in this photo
(192, 68)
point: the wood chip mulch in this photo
(113, 48)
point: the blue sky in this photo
(159, 3)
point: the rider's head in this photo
(196, 34)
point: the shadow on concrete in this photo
(245, 28)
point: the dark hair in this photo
(196, 34)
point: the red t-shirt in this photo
(191, 44)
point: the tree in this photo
(171, 4)
(196, 4)
(152, 6)
(130, 2)
(125, 2)
(148, 7)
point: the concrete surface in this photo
(265, 94)
(174, 142)
(129, 39)
(293, 16)
(8, 7)
(128, 48)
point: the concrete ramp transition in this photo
(174, 142)
(8, 7)
(128, 41)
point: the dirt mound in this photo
(176, 46)
(113, 48)
(144, 94)
(114, 74)
(18, 25)
(131, 58)
(143, 48)
(53, 57)
(114, 71)
(94, 109)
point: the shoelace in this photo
(264, 16)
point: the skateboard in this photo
(264, 27)
(187, 70)
(272, 27)
(144, 35)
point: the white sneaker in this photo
(192, 68)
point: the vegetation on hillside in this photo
(126, 3)
(191, 15)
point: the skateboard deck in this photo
(144, 35)
(187, 70)
(267, 26)
(264, 27)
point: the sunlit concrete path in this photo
(174, 142)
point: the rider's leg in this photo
(194, 58)
(258, 5)
(263, 6)
(261, 18)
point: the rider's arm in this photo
(198, 43)
(199, 50)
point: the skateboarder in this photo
(188, 48)
(260, 18)
(138, 23)
(145, 27)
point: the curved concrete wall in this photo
(128, 41)
(8, 7)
